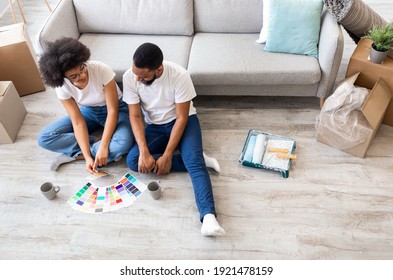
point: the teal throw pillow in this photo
(294, 26)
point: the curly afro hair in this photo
(59, 57)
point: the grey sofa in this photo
(213, 39)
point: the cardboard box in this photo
(373, 109)
(12, 113)
(19, 60)
(371, 72)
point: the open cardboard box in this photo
(18, 60)
(371, 72)
(12, 112)
(373, 109)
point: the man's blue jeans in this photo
(59, 136)
(190, 158)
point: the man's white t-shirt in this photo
(158, 100)
(93, 94)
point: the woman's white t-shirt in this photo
(158, 100)
(93, 94)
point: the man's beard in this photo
(148, 83)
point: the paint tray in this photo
(270, 161)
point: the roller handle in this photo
(277, 150)
(287, 156)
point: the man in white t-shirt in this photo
(159, 94)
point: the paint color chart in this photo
(93, 199)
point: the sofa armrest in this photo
(61, 23)
(330, 52)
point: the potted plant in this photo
(382, 37)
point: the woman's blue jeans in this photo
(190, 158)
(59, 136)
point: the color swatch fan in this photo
(93, 199)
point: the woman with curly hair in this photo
(93, 101)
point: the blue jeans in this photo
(190, 159)
(59, 136)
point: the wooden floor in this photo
(332, 206)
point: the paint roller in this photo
(250, 148)
(259, 149)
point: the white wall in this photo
(3, 6)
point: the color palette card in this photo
(85, 198)
(97, 175)
(93, 199)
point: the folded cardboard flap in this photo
(12, 112)
(376, 103)
(373, 109)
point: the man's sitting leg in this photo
(190, 148)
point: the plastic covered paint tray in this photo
(268, 151)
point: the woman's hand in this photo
(101, 157)
(90, 166)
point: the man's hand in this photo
(146, 163)
(163, 165)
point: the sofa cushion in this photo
(218, 59)
(117, 50)
(292, 29)
(169, 17)
(228, 16)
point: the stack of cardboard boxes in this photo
(378, 107)
(19, 75)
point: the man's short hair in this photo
(148, 55)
